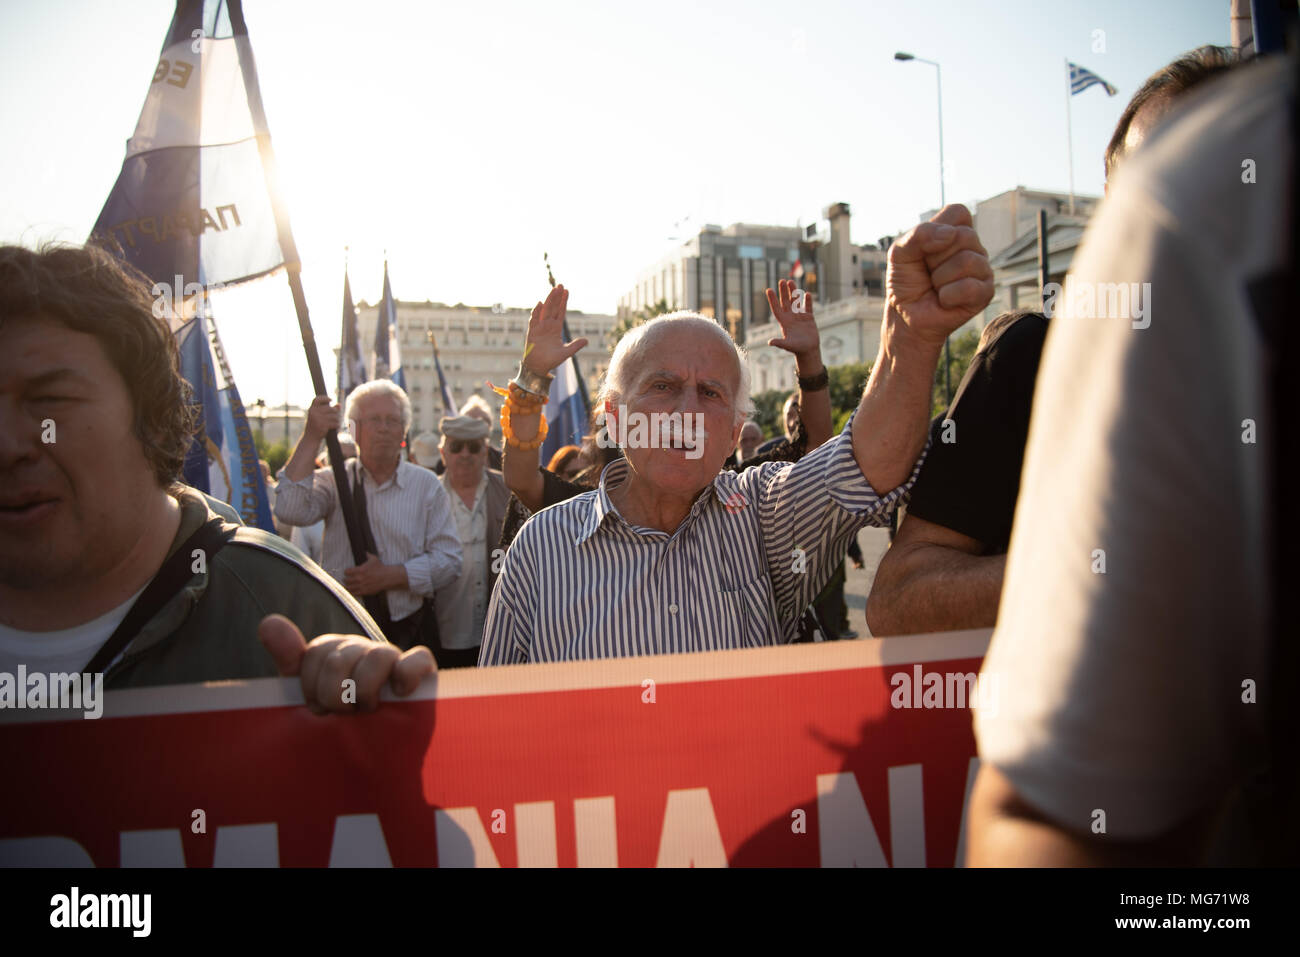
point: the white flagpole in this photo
(1069, 133)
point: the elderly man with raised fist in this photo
(670, 554)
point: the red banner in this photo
(837, 754)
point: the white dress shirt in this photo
(462, 605)
(411, 519)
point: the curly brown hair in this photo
(87, 289)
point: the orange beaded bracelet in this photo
(508, 432)
(525, 403)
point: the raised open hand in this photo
(545, 348)
(799, 329)
(939, 275)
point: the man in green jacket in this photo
(107, 564)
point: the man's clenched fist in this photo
(939, 275)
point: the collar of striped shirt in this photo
(616, 473)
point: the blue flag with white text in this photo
(191, 206)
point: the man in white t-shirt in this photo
(1135, 629)
(94, 424)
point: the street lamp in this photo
(260, 406)
(943, 200)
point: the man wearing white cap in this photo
(478, 503)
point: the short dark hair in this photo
(562, 457)
(89, 290)
(1189, 70)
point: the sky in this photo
(463, 140)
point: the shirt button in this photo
(672, 609)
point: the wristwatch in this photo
(815, 383)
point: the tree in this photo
(846, 385)
(961, 350)
(276, 455)
(767, 411)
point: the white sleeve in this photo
(1134, 606)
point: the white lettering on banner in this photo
(595, 832)
(535, 842)
(49, 851)
(462, 839)
(906, 816)
(247, 845)
(846, 833)
(239, 845)
(690, 837)
(359, 842)
(844, 829)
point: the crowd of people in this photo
(1075, 494)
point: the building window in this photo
(707, 301)
(735, 317)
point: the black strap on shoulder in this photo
(376, 604)
(178, 569)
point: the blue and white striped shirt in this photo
(754, 551)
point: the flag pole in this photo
(293, 267)
(1069, 132)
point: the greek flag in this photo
(191, 204)
(222, 460)
(352, 367)
(1081, 79)
(566, 413)
(388, 354)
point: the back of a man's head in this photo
(1164, 86)
(87, 290)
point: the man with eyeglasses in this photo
(478, 502)
(411, 540)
